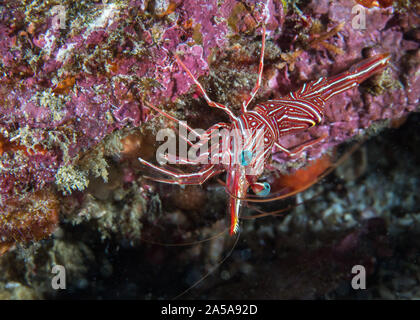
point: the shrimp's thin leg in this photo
(210, 102)
(300, 148)
(196, 180)
(202, 158)
(178, 175)
(183, 178)
(165, 114)
(182, 160)
(260, 72)
(203, 137)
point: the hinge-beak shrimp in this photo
(262, 126)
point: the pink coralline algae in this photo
(66, 84)
(354, 111)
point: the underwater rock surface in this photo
(74, 76)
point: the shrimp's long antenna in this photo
(211, 270)
(276, 213)
(185, 244)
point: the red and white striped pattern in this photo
(268, 121)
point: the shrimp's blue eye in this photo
(246, 157)
(266, 191)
